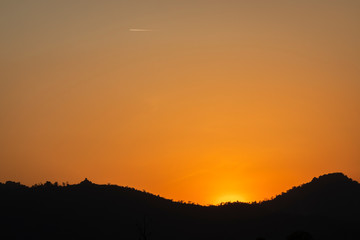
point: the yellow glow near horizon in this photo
(230, 198)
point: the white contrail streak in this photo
(140, 30)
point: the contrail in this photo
(140, 30)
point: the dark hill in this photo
(326, 208)
(332, 194)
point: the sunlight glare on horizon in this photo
(231, 198)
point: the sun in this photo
(232, 197)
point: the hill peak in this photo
(332, 178)
(86, 182)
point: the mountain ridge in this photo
(322, 180)
(326, 207)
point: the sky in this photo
(203, 101)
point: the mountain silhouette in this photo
(332, 193)
(325, 208)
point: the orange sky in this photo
(215, 101)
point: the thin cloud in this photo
(141, 30)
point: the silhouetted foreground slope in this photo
(326, 208)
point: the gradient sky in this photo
(202, 101)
